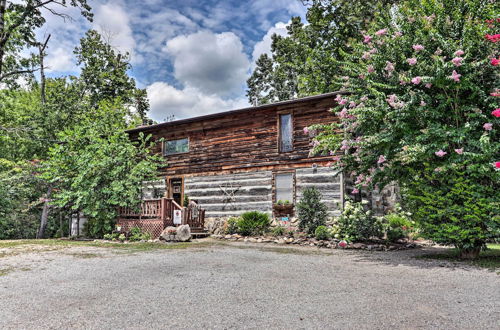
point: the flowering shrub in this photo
(355, 224)
(421, 109)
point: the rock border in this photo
(328, 244)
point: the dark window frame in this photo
(176, 153)
(292, 139)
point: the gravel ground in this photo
(243, 286)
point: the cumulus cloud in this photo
(113, 24)
(209, 62)
(166, 100)
(264, 46)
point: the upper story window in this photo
(286, 133)
(176, 146)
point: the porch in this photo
(154, 215)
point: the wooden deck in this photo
(154, 215)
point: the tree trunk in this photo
(3, 8)
(45, 214)
(470, 254)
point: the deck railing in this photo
(154, 215)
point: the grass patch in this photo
(126, 247)
(84, 255)
(5, 271)
(489, 259)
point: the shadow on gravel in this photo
(428, 258)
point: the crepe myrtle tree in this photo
(422, 110)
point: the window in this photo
(176, 146)
(286, 133)
(283, 183)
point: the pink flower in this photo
(366, 56)
(412, 61)
(315, 143)
(495, 61)
(455, 76)
(493, 37)
(459, 52)
(344, 113)
(342, 244)
(402, 82)
(306, 130)
(496, 112)
(355, 191)
(488, 126)
(428, 85)
(352, 104)
(362, 77)
(373, 50)
(416, 80)
(440, 153)
(381, 32)
(438, 52)
(342, 101)
(389, 67)
(397, 34)
(370, 69)
(497, 164)
(418, 47)
(457, 61)
(367, 39)
(459, 151)
(381, 159)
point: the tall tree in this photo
(18, 23)
(104, 71)
(304, 61)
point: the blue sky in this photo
(192, 56)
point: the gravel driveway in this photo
(243, 285)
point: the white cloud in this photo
(60, 59)
(264, 46)
(113, 23)
(166, 100)
(209, 62)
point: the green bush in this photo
(398, 224)
(278, 231)
(111, 236)
(322, 233)
(311, 211)
(136, 234)
(231, 226)
(356, 224)
(97, 228)
(253, 223)
(456, 209)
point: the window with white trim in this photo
(283, 184)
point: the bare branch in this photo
(16, 72)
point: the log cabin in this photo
(246, 159)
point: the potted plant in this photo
(283, 208)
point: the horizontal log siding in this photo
(252, 193)
(244, 141)
(323, 179)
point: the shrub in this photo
(322, 233)
(231, 226)
(311, 211)
(136, 234)
(253, 223)
(357, 224)
(278, 231)
(398, 224)
(455, 210)
(95, 228)
(111, 236)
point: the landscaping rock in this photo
(183, 233)
(167, 235)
